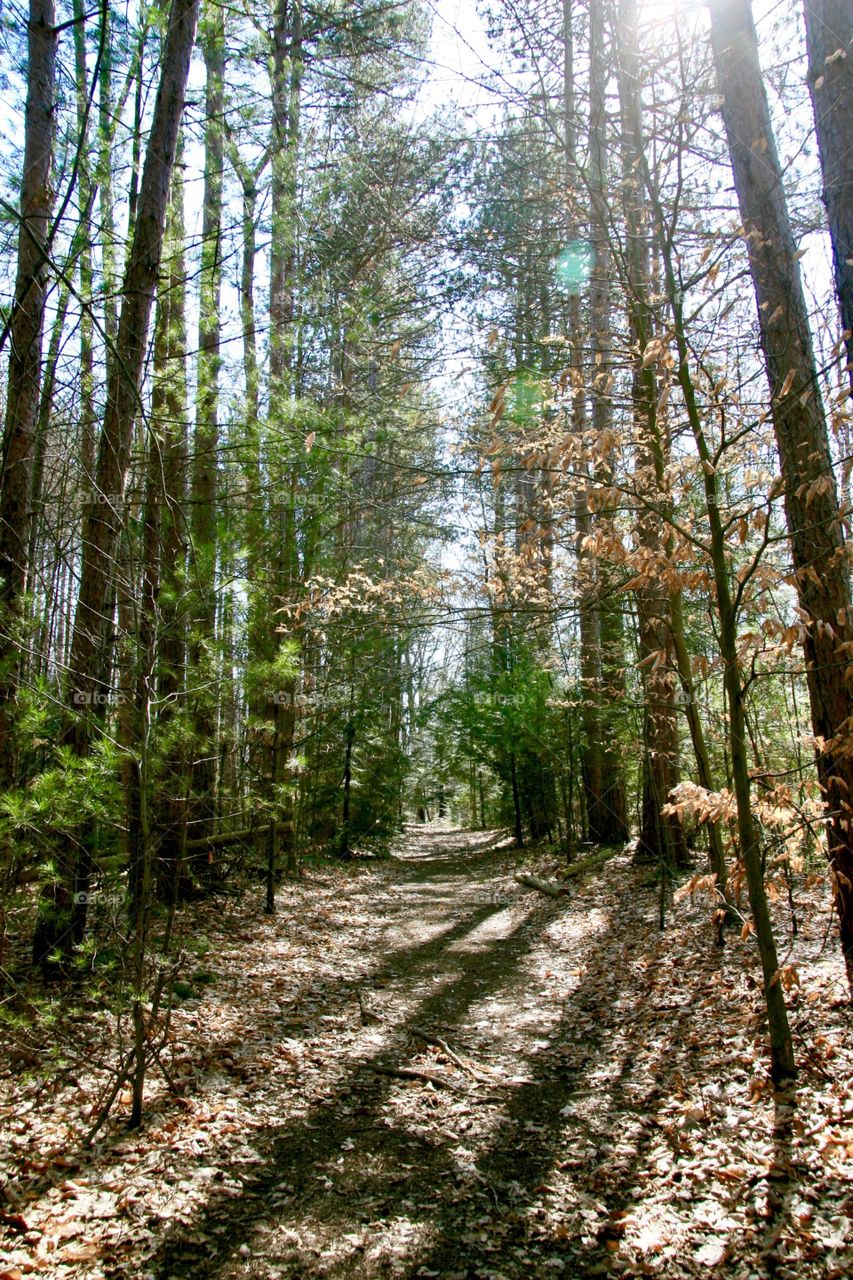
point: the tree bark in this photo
(25, 332)
(164, 551)
(639, 190)
(608, 816)
(661, 836)
(91, 648)
(84, 184)
(104, 179)
(206, 440)
(104, 517)
(518, 829)
(829, 41)
(595, 766)
(286, 93)
(819, 552)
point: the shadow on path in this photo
(535, 1176)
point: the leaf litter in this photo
(423, 1068)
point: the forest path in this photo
(603, 1111)
(570, 1144)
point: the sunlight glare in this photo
(574, 265)
(657, 12)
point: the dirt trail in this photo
(602, 1111)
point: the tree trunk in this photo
(91, 648)
(652, 445)
(206, 440)
(165, 551)
(592, 763)
(344, 844)
(84, 185)
(782, 1064)
(25, 333)
(661, 836)
(829, 40)
(716, 853)
(104, 178)
(33, 663)
(814, 521)
(611, 821)
(103, 517)
(286, 91)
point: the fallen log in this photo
(592, 860)
(544, 886)
(226, 838)
(589, 863)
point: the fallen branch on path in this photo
(409, 1073)
(556, 890)
(445, 1048)
(544, 886)
(367, 1015)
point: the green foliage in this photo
(269, 682)
(62, 800)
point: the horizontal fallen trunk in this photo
(226, 838)
(544, 886)
(554, 889)
(592, 861)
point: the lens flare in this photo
(574, 265)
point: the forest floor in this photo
(603, 1109)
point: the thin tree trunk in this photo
(91, 649)
(286, 91)
(611, 822)
(716, 853)
(206, 442)
(814, 521)
(104, 177)
(829, 40)
(782, 1063)
(516, 805)
(84, 184)
(103, 519)
(637, 177)
(164, 559)
(592, 769)
(25, 333)
(661, 836)
(40, 449)
(344, 849)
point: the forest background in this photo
(369, 455)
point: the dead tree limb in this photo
(409, 1073)
(445, 1048)
(544, 886)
